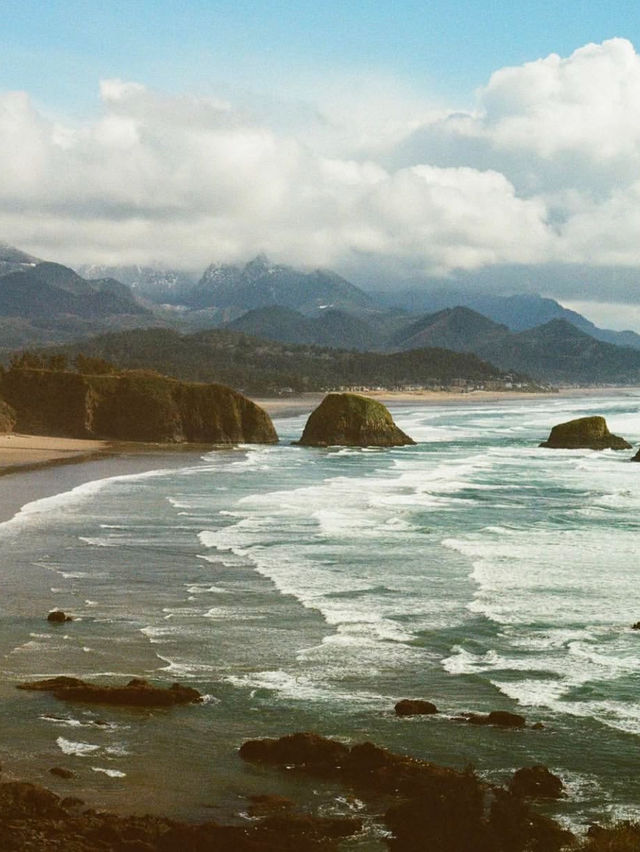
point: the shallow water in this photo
(311, 589)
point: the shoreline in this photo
(303, 403)
(80, 464)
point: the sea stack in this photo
(351, 420)
(590, 433)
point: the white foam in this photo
(112, 773)
(79, 749)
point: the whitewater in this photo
(311, 589)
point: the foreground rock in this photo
(351, 420)
(591, 433)
(415, 707)
(429, 807)
(536, 782)
(133, 406)
(33, 818)
(136, 693)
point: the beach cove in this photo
(311, 589)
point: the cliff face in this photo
(348, 419)
(133, 407)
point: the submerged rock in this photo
(591, 433)
(61, 772)
(415, 707)
(348, 419)
(137, 693)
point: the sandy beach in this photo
(29, 451)
(294, 405)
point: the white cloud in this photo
(544, 171)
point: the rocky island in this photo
(591, 433)
(351, 420)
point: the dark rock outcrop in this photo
(133, 406)
(33, 818)
(415, 707)
(57, 616)
(430, 807)
(136, 693)
(536, 782)
(499, 718)
(348, 419)
(590, 433)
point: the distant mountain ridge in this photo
(43, 302)
(556, 352)
(518, 312)
(332, 328)
(260, 283)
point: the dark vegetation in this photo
(267, 367)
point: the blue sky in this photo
(58, 50)
(400, 143)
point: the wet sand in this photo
(29, 451)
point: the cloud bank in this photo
(545, 170)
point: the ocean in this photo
(311, 589)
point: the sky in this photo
(404, 144)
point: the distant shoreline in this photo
(302, 403)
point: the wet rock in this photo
(61, 772)
(499, 718)
(415, 707)
(136, 693)
(351, 420)
(584, 433)
(57, 616)
(432, 807)
(303, 749)
(536, 782)
(636, 626)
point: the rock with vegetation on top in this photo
(348, 419)
(136, 693)
(132, 406)
(589, 433)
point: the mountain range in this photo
(43, 303)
